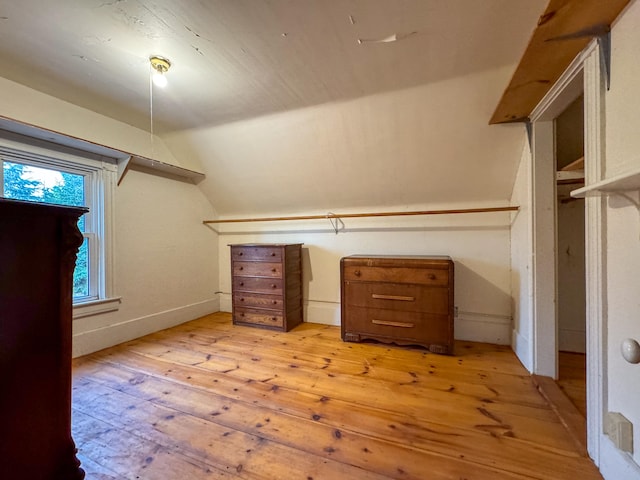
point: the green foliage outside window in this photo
(22, 182)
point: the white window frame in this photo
(100, 175)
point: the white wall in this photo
(165, 259)
(21, 103)
(166, 262)
(426, 145)
(571, 272)
(521, 243)
(478, 244)
(623, 222)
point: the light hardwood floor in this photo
(211, 400)
(572, 379)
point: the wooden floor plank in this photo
(252, 416)
(417, 400)
(221, 401)
(572, 378)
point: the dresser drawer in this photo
(257, 269)
(407, 327)
(256, 253)
(424, 276)
(247, 299)
(400, 297)
(258, 285)
(258, 317)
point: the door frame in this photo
(584, 75)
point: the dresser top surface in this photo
(400, 257)
(263, 244)
(411, 261)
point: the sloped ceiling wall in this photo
(426, 145)
(290, 106)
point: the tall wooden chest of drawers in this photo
(406, 300)
(266, 286)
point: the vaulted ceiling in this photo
(308, 105)
(238, 59)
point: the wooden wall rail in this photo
(362, 215)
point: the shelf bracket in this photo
(605, 47)
(335, 222)
(123, 168)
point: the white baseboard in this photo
(522, 348)
(479, 328)
(325, 313)
(225, 302)
(614, 464)
(108, 336)
(483, 329)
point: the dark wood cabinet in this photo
(266, 285)
(406, 300)
(38, 247)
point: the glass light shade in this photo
(159, 79)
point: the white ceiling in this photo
(239, 59)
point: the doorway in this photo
(570, 254)
(585, 75)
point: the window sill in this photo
(96, 307)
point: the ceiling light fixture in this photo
(160, 66)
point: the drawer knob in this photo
(431, 276)
(241, 268)
(273, 285)
(357, 273)
(242, 284)
(240, 254)
(274, 270)
(242, 314)
(242, 299)
(273, 254)
(275, 302)
(273, 319)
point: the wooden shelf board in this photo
(575, 165)
(572, 175)
(123, 158)
(166, 167)
(564, 30)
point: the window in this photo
(35, 171)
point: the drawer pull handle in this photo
(357, 273)
(240, 254)
(242, 284)
(242, 314)
(393, 297)
(431, 276)
(275, 302)
(273, 285)
(240, 268)
(242, 299)
(273, 319)
(393, 324)
(273, 254)
(274, 270)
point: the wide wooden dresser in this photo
(407, 300)
(38, 247)
(266, 285)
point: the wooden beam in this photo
(565, 28)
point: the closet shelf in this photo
(625, 182)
